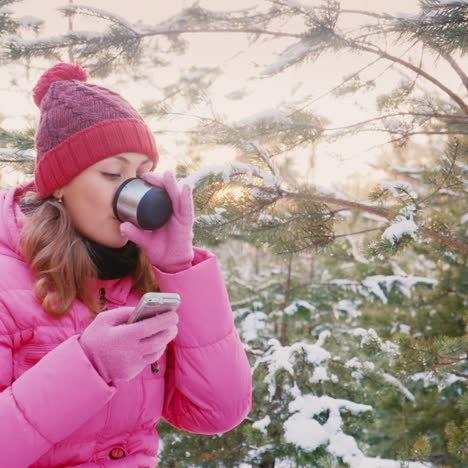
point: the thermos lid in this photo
(153, 209)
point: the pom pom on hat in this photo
(59, 72)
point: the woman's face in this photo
(88, 197)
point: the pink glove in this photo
(120, 351)
(168, 248)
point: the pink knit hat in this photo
(81, 124)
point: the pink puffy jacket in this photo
(57, 411)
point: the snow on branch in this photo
(226, 171)
(30, 22)
(97, 12)
(403, 224)
(282, 357)
(62, 41)
(292, 308)
(396, 187)
(370, 337)
(17, 154)
(376, 284)
(303, 430)
(404, 284)
(293, 54)
(395, 382)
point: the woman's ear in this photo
(58, 194)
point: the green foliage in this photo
(443, 26)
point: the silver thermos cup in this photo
(142, 204)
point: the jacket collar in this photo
(12, 221)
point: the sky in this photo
(242, 64)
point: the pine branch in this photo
(446, 177)
(71, 10)
(400, 114)
(405, 136)
(456, 67)
(307, 9)
(375, 50)
(384, 213)
(330, 91)
(364, 231)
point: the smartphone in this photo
(154, 303)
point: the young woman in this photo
(78, 385)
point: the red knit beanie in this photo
(81, 124)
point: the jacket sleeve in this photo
(48, 402)
(208, 376)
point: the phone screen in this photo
(152, 304)
(150, 310)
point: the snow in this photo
(403, 224)
(442, 380)
(304, 431)
(394, 381)
(55, 41)
(322, 337)
(21, 154)
(293, 54)
(30, 22)
(370, 337)
(319, 375)
(404, 328)
(367, 462)
(356, 252)
(348, 307)
(279, 357)
(398, 187)
(195, 73)
(227, 171)
(345, 283)
(396, 269)
(400, 228)
(270, 115)
(262, 424)
(93, 11)
(209, 220)
(374, 217)
(427, 378)
(345, 447)
(408, 16)
(292, 308)
(354, 363)
(453, 2)
(252, 324)
(393, 125)
(403, 283)
(408, 170)
(295, 4)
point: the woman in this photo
(79, 386)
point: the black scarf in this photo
(113, 263)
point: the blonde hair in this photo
(59, 260)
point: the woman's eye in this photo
(111, 176)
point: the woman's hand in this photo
(120, 351)
(168, 248)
